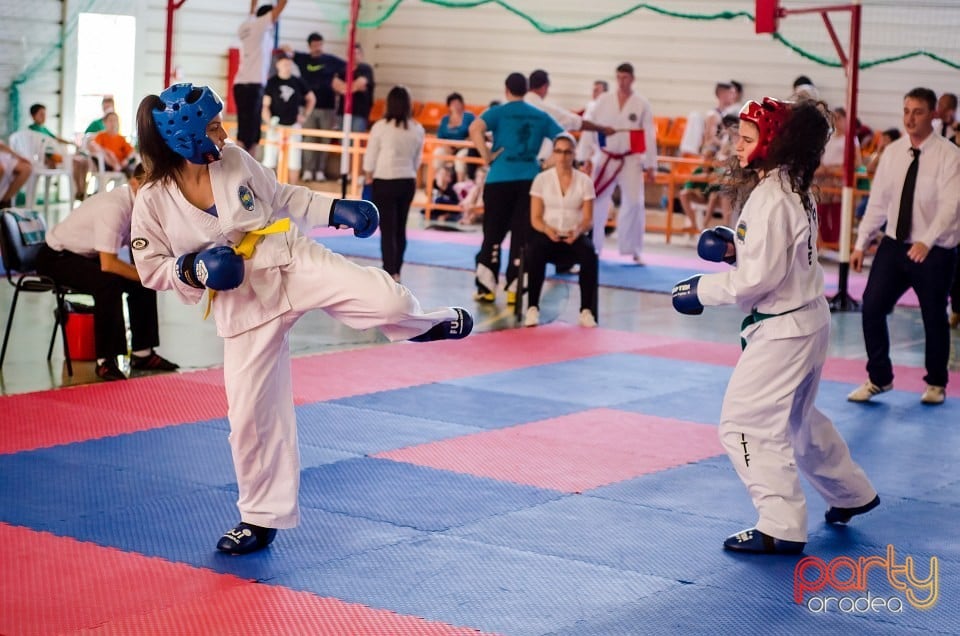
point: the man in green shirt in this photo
(97, 125)
(81, 163)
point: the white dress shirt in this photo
(935, 201)
(562, 211)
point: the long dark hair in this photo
(399, 109)
(161, 163)
(795, 152)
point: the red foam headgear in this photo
(769, 116)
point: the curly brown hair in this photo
(795, 152)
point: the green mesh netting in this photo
(50, 55)
(892, 30)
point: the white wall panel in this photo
(434, 50)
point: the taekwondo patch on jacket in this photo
(139, 243)
(742, 231)
(246, 198)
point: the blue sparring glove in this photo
(713, 245)
(685, 298)
(361, 215)
(218, 268)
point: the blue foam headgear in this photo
(187, 109)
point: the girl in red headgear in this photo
(768, 424)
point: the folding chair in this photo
(21, 238)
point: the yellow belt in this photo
(247, 246)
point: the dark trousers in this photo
(83, 274)
(393, 198)
(955, 290)
(506, 208)
(891, 275)
(249, 101)
(541, 250)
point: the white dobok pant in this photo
(632, 216)
(263, 427)
(772, 431)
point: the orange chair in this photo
(663, 128)
(430, 115)
(675, 135)
(378, 109)
(476, 109)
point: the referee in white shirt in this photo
(919, 246)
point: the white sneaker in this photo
(934, 395)
(533, 317)
(306, 175)
(319, 176)
(867, 390)
(587, 319)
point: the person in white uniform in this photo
(617, 159)
(211, 221)
(83, 252)
(769, 425)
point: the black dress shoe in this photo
(752, 540)
(843, 515)
(245, 538)
(152, 362)
(109, 371)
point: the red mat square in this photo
(572, 453)
(91, 590)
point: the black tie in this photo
(905, 217)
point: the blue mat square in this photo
(44, 491)
(698, 609)
(172, 452)
(414, 496)
(186, 529)
(486, 587)
(355, 429)
(603, 532)
(599, 381)
(463, 405)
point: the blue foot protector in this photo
(449, 329)
(843, 515)
(245, 538)
(752, 540)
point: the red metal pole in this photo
(172, 6)
(348, 96)
(842, 301)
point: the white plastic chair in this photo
(102, 176)
(33, 146)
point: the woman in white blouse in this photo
(561, 214)
(391, 162)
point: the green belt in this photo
(755, 317)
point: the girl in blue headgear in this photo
(211, 222)
(769, 425)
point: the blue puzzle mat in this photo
(650, 278)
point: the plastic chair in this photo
(21, 238)
(102, 176)
(34, 146)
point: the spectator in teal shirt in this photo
(518, 130)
